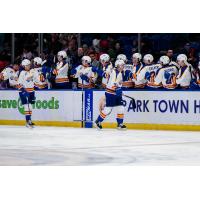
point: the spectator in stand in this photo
(72, 50)
(113, 52)
(26, 54)
(95, 44)
(192, 57)
(94, 61)
(104, 45)
(85, 50)
(170, 54)
(4, 59)
(135, 46)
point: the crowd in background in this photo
(94, 45)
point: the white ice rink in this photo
(76, 146)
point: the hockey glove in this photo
(119, 92)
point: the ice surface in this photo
(76, 146)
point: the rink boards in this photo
(166, 110)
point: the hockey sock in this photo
(120, 118)
(101, 117)
(27, 112)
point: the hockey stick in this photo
(82, 121)
(132, 100)
(128, 97)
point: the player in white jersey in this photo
(61, 71)
(166, 75)
(147, 73)
(137, 65)
(106, 67)
(11, 74)
(126, 73)
(122, 57)
(26, 90)
(39, 79)
(184, 76)
(84, 73)
(113, 96)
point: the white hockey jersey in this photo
(166, 77)
(147, 73)
(184, 76)
(87, 71)
(128, 67)
(136, 70)
(39, 79)
(115, 80)
(12, 76)
(107, 69)
(61, 72)
(26, 80)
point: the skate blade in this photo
(121, 129)
(99, 129)
(30, 127)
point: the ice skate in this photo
(98, 125)
(30, 124)
(121, 127)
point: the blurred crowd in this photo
(61, 62)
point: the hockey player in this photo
(147, 73)
(122, 57)
(106, 67)
(39, 78)
(26, 90)
(84, 73)
(61, 72)
(184, 76)
(166, 75)
(11, 74)
(126, 73)
(113, 96)
(137, 65)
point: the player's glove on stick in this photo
(119, 92)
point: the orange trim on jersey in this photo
(198, 81)
(134, 75)
(19, 86)
(15, 86)
(89, 86)
(103, 85)
(42, 79)
(41, 86)
(55, 72)
(140, 85)
(172, 86)
(154, 84)
(61, 80)
(29, 89)
(110, 91)
(127, 84)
